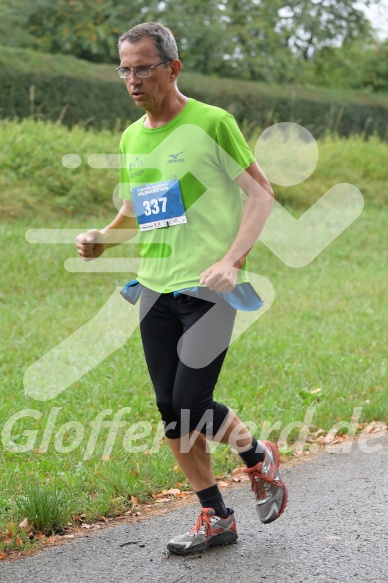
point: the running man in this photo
(183, 164)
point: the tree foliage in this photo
(310, 25)
(14, 24)
(355, 65)
(282, 41)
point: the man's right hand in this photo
(91, 244)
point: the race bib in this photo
(158, 205)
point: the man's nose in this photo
(132, 81)
(134, 78)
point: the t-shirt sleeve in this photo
(233, 152)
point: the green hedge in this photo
(77, 92)
(58, 87)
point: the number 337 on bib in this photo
(158, 205)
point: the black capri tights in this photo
(185, 341)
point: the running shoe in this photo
(270, 491)
(209, 530)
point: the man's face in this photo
(149, 92)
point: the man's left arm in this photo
(222, 276)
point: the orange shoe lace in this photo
(202, 520)
(259, 485)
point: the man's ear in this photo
(176, 66)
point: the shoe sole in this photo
(216, 541)
(275, 454)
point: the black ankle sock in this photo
(212, 498)
(253, 455)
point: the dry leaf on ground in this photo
(174, 491)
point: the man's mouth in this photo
(137, 93)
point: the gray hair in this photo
(163, 39)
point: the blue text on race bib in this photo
(158, 205)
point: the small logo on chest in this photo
(136, 168)
(173, 158)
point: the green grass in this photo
(47, 507)
(326, 329)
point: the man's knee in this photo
(207, 421)
(171, 421)
(180, 420)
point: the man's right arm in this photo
(93, 243)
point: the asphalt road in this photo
(334, 529)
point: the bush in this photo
(78, 92)
(57, 87)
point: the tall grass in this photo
(34, 184)
(46, 507)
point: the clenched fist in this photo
(220, 277)
(91, 244)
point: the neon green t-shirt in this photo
(202, 148)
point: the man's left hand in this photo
(220, 277)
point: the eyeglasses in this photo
(140, 72)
